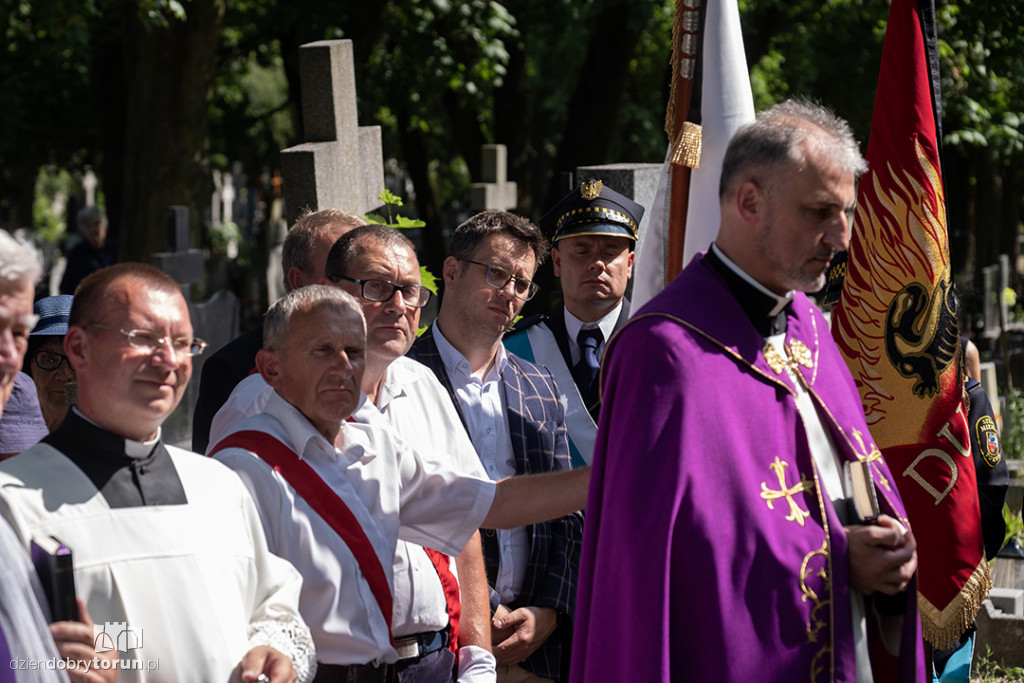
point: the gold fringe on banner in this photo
(942, 628)
(687, 147)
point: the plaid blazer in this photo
(536, 420)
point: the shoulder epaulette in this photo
(526, 323)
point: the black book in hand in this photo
(865, 499)
(52, 560)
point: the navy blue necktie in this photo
(589, 366)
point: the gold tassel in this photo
(942, 629)
(687, 147)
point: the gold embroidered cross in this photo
(875, 456)
(798, 354)
(770, 496)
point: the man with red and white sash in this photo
(314, 356)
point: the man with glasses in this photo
(165, 542)
(378, 266)
(594, 232)
(513, 413)
(302, 260)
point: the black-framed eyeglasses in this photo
(148, 342)
(50, 361)
(375, 289)
(498, 278)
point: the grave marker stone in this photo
(183, 264)
(89, 183)
(341, 164)
(496, 192)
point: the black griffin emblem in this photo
(921, 335)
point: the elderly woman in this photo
(45, 360)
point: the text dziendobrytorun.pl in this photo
(84, 665)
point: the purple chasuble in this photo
(711, 552)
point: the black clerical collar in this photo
(765, 310)
(123, 481)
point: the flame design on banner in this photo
(896, 325)
(897, 304)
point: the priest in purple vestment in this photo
(722, 542)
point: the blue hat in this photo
(53, 312)
(593, 209)
(22, 424)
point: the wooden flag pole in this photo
(683, 133)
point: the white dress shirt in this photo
(483, 406)
(573, 325)
(418, 408)
(390, 490)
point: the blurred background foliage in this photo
(155, 94)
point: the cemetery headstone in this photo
(496, 192)
(89, 183)
(340, 165)
(181, 262)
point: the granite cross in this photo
(340, 165)
(496, 191)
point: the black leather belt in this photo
(421, 644)
(353, 673)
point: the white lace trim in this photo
(290, 637)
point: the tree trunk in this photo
(428, 207)
(594, 108)
(168, 73)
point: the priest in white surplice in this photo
(169, 551)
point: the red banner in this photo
(896, 324)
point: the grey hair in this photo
(88, 214)
(304, 300)
(777, 138)
(303, 239)
(19, 260)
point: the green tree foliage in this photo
(155, 92)
(831, 51)
(982, 59)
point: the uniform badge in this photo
(988, 440)
(591, 189)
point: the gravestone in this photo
(277, 230)
(89, 183)
(185, 266)
(181, 262)
(994, 313)
(340, 165)
(496, 192)
(218, 190)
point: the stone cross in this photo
(340, 166)
(496, 192)
(89, 183)
(227, 198)
(183, 264)
(218, 189)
